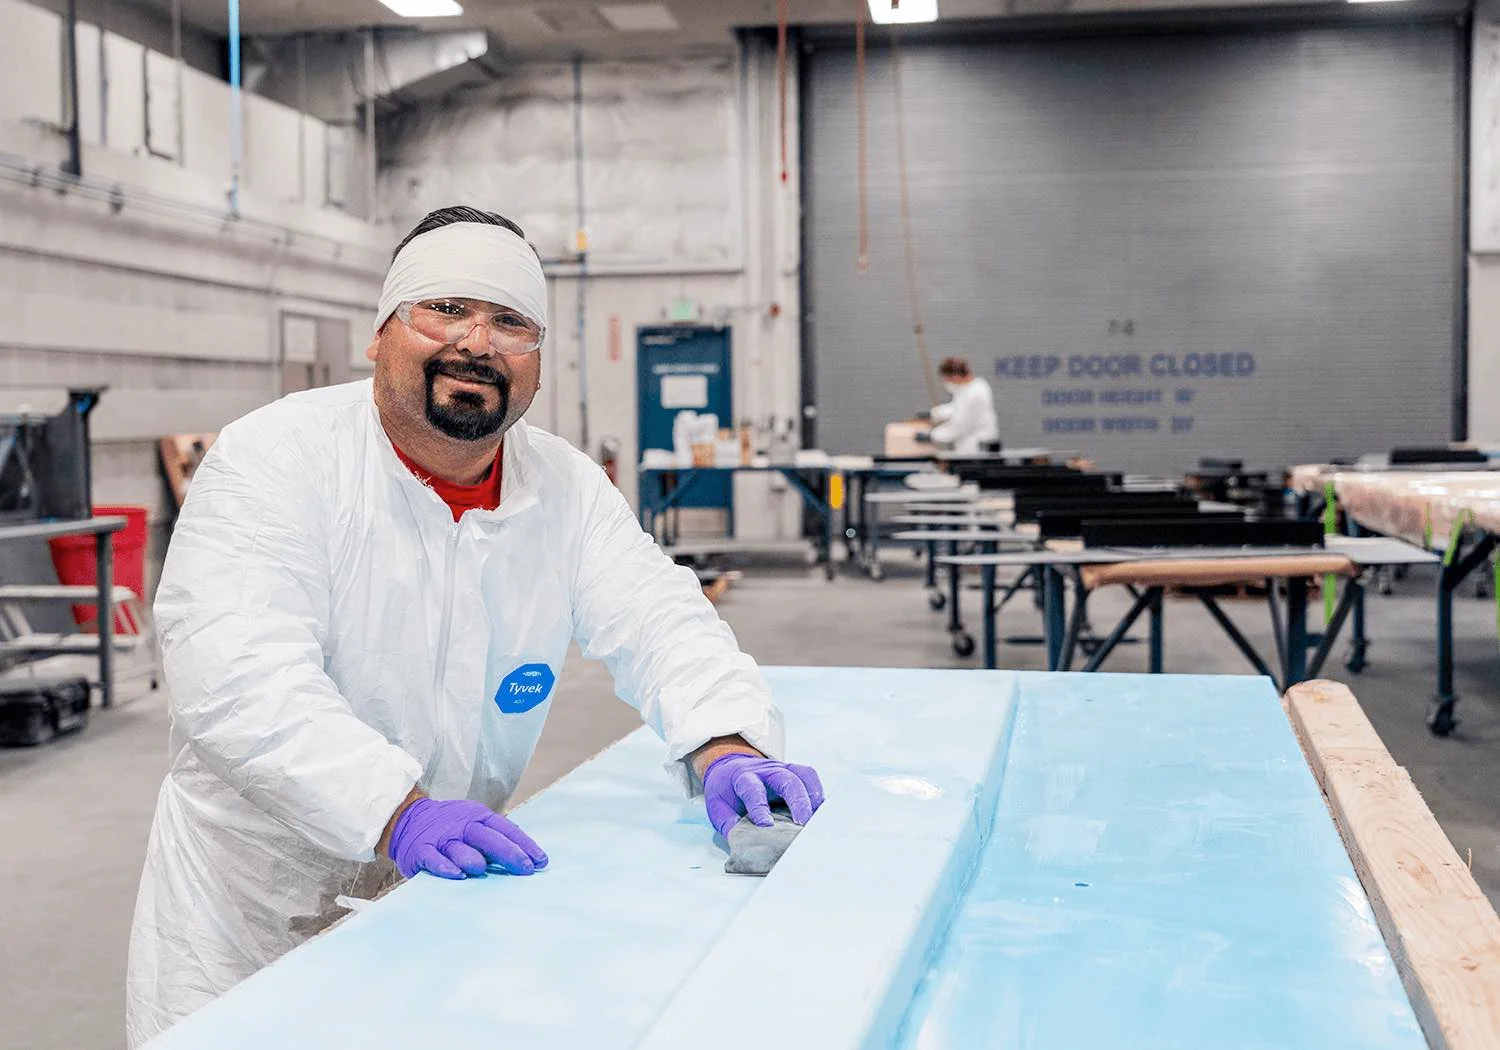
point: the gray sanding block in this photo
(754, 850)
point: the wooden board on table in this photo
(1442, 931)
(901, 438)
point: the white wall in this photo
(682, 201)
(1484, 232)
(129, 102)
(159, 294)
(149, 26)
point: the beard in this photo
(464, 415)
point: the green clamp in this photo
(1330, 526)
(1455, 536)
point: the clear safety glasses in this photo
(451, 320)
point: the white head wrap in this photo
(466, 260)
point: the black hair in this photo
(441, 217)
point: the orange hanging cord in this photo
(781, 19)
(913, 292)
(859, 94)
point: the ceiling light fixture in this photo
(1372, 1)
(424, 8)
(903, 12)
(639, 18)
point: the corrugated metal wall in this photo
(1156, 247)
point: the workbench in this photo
(1063, 562)
(1050, 861)
(1447, 509)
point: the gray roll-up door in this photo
(1156, 248)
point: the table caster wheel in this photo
(1441, 720)
(963, 644)
(1356, 662)
(936, 600)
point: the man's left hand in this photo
(746, 785)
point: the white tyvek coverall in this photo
(969, 420)
(332, 637)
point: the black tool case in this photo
(34, 710)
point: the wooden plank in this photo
(1442, 931)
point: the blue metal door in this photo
(683, 367)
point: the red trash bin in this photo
(73, 557)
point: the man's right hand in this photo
(457, 839)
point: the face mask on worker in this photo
(950, 386)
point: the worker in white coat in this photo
(967, 421)
(364, 608)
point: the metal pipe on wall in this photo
(177, 58)
(103, 77)
(581, 243)
(302, 118)
(73, 163)
(236, 127)
(370, 156)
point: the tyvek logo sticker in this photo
(524, 688)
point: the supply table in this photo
(673, 483)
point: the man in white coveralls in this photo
(364, 607)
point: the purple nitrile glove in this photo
(460, 838)
(745, 785)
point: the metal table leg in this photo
(1156, 630)
(963, 642)
(864, 524)
(1353, 591)
(1441, 719)
(105, 569)
(1296, 631)
(1054, 614)
(1076, 623)
(828, 514)
(872, 545)
(852, 481)
(987, 578)
(955, 620)
(1358, 642)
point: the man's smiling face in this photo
(465, 390)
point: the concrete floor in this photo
(75, 813)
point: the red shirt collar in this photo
(484, 495)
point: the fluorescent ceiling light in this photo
(1371, 1)
(901, 12)
(424, 8)
(639, 18)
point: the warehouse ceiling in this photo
(545, 29)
